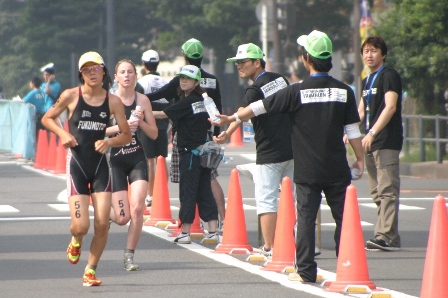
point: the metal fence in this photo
(415, 129)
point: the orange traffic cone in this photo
(284, 242)
(236, 139)
(42, 147)
(435, 272)
(51, 161)
(234, 238)
(352, 262)
(195, 230)
(160, 207)
(61, 159)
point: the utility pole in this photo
(357, 45)
(110, 11)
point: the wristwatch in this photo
(372, 133)
(237, 119)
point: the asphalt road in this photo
(34, 234)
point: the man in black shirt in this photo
(380, 108)
(320, 109)
(272, 138)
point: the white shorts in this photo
(268, 179)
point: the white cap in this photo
(150, 56)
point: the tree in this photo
(415, 32)
(224, 24)
(42, 31)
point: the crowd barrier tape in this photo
(18, 128)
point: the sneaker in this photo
(182, 238)
(295, 277)
(380, 244)
(129, 262)
(210, 238)
(73, 252)
(89, 279)
(148, 201)
(220, 227)
(266, 253)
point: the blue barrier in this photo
(18, 128)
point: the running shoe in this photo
(182, 238)
(210, 238)
(266, 253)
(148, 201)
(89, 279)
(73, 252)
(129, 262)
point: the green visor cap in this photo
(192, 48)
(190, 71)
(247, 51)
(317, 44)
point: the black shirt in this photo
(319, 108)
(191, 120)
(391, 136)
(272, 132)
(208, 82)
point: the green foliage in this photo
(34, 33)
(415, 31)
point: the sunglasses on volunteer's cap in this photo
(247, 52)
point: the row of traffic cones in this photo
(50, 156)
(352, 274)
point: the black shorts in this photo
(125, 172)
(154, 148)
(95, 177)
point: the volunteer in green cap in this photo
(272, 137)
(321, 109)
(193, 54)
(190, 118)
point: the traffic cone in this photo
(284, 242)
(352, 262)
(435, 272)
(234, 238)
(61, 159)
(160, 207)
(195, 230)
(236, 139)
(42, 147)
(51, 161)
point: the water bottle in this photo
(211, 108)
(134, 117)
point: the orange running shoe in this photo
(73, 252)
(89, 279)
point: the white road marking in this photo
(7, 209)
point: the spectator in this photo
(36, 97)
(50, 87)
(272, 137)
(152, 82)
(320, 109)
(380, 111)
